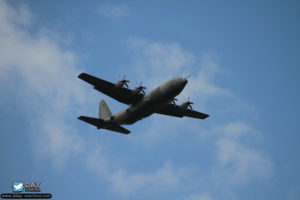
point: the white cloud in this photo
(236, 162)
(48, 84)
(201, 84)
(198, 197)
(165, 178)
(22, 16)
(114, 11)
(156, 62)
(97, 161)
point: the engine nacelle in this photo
(122, 83)
(186, 105)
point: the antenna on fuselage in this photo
(188, 76)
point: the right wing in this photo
(121, 94)
(100, 123)
(177, 111)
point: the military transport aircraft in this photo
(161, 100)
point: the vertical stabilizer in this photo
(104, 111)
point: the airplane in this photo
(140, 105)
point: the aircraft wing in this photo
(177, 111)
(100, 123)
(121, 94)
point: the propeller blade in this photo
(123, 82)
(173, 101)
(140, 87)
(188, 104)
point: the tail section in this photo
(102, 122)
(104, 111)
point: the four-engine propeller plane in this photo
(160, 100)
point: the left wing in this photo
(177, 111)
(121, 94)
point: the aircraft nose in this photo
(185, 81)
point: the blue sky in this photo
(244, 60)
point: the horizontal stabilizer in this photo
(117, 128)
(94, 121)
(100, 123)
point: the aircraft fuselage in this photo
(150, 102)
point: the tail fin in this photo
(104, 111)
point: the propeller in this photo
(187, 104)
(173, 101)
(141, 88)
(123, 82)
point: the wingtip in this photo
(81, 75)
(80, 117)
(126, 132)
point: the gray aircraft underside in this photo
(160, 100)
